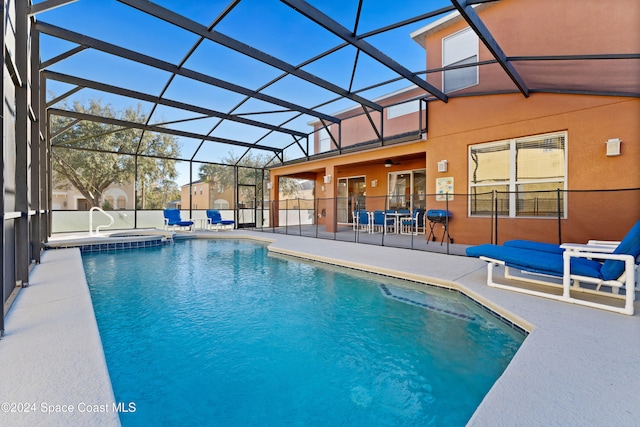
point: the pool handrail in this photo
(93, 209)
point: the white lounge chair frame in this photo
(181, 227)
(571, 282)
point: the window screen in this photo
(541, 158)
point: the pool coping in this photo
(577, 366)
(52, 365)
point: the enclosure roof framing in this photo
(189, 25)
(248, 76)
(163, 65)
(342, 32)
(162, 101)
(127, 124)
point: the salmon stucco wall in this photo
(589, 123)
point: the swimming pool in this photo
(218, 332)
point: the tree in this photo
(156, 183)
(93, 156)
(222, 177)
(156, 176)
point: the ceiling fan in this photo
(388, 163)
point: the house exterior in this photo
(204, 195)
(546, 154)
(115, 197)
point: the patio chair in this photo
(382, 222)
(215, 221)
(362, 220)
(172, 219)
(594, 265)
(414, 224)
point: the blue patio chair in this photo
(581, 268)
(172, 219)
(215, 221)
(362, 220)
(382, 222)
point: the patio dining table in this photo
(397, 219)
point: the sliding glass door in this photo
(407, 189)
(351, 196)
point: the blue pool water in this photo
(221, 333)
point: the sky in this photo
(267, 25)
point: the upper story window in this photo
(458, 49)
(403, 109)
(525, 173)
(325, 140)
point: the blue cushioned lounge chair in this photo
(215, 221)
(557, 249)
(589, 268)
(533, 245)
(172, 219)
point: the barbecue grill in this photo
(439, 216)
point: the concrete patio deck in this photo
(578, 366)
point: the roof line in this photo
(407, 22)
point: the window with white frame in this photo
(519, 177)
(325, 140)
(459, 49)
(403, 109)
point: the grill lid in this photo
(438, 214)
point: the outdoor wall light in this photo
(388, 163)
(613, 147)
(327, 179)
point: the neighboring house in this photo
(489, 138)
(303, 198)
(118, 197)
(205, 195)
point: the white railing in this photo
(93, 209)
